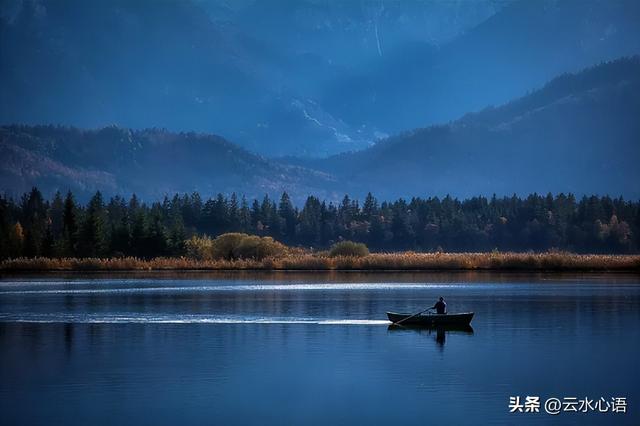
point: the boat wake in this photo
(134, 318)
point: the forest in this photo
(61, 227)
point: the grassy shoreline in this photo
(540, 262)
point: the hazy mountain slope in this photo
(292, 77)
(22, 169)
(250, 71)
(346, 33)
(521, 47)
(580, 133)
(150, 163)
(153, 64)
(119, 61)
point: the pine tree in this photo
(176, 236)
(311, 222)
(92, 239)
(156, 238)
(138, 233)
(287, 213)
(268, 213)
(69, 226)
(256, 217)
(119, 227)
(369, 208)
(120, 244)
(56, 213)
(234, 214)
(34, 220)
(215, 216)
(245, 217)
(48, 242)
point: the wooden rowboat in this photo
(431, 320)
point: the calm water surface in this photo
(274, 349)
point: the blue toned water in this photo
(274, 349)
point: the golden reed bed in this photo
(409, 261)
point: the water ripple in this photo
(136, 318)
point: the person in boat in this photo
(440, 306)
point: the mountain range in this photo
(578, 133)
(150, 163)
(306, 78)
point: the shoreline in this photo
(313, 263)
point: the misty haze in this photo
(319, 212)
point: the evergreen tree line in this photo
(62, 227)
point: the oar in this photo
(414, 315)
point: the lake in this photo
(309, 348)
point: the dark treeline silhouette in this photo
(34, 226)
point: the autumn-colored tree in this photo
(16, 240)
